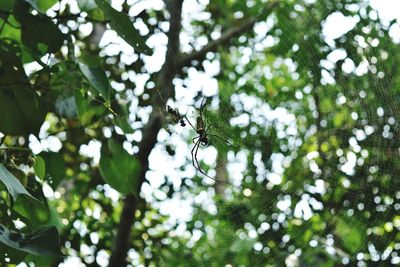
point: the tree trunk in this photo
(150, 132)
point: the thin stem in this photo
(4, 23)
(16, 148)
(76, 16)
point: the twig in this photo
(4, 23)
(76, 16)
(150, 132)
(16, 148)
(225, 38)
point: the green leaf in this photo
(41, 5)
(10, 31)
(89, 59)
(39, 167)
(98, 79)
(122, 24)
(66, 80)
(43, 242)
(6, 5)
(38, 33)
(13, 255)
(14, 187)
(351, 233)
(21, 112)
(118, 168)
(122, 122)
(122, 118)
(55, 167)
(35, 212)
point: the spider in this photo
(202, 139)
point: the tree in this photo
(307, 175)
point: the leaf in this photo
(122, 118)
(66, 80)
(351, 233)
(66, 105)
(39, 167)
(10, 31)
(34, 211)
(87, 111)
(98, 79)
(86, 5)
(122, 24)
(13, 255)
(55, 167)
(38, 33)
(14, 187)
(41, 5)
(118, 168)
(21, 111)
(43, 242)
(122, 122)
(6, 5)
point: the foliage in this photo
(310, 177)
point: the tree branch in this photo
(225, 38)
(170, 69)
(149, 133)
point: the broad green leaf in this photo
(122, 118)
(38, 33)
(9, 31)
(14, 256)
(6, 5)
(122, 24)
(35, 212)
(122, 122)
(98, 79)
(39, 167)
(351, 233)
(42, 5)
(14, 187)
(87, 110)
(55, 167)
(21, 112)
(118, 168)
(43, 242)
(89, 59)
(66, 80)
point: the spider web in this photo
(290, 159)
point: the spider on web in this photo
(202, 131)
(202, 138)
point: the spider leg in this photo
(215, 135)
(201, 105)
(193, 155)
(200, 169)
(193, 152)
(189, 123)
(195, 139)
(198, 164)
